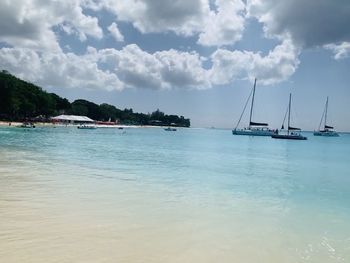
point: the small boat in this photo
(87, 127)
(291, 136)
(292, 132)
(254, 128)
(27, 125)
(170, 129)
(328, 131)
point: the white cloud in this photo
(114, 30)
(21, 25)
(224, 27)
(277, 66)
(340, 51)
(181, 16)
(29, 23)
(308, 23)
(135, 67)
(130, 67)
(183, 69)
(34, 54)
(71, 13)
(161, 70)
(57, 69)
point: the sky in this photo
(196, 58)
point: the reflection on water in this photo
(149, 196)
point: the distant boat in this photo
(327, 130)
(170, 129)
(27, 125)
(292, 132)
(87, 127)
(254, 128)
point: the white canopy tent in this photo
(72, 119)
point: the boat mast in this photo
(290, 100)
(251, 107)
(325, 116)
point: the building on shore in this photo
(71, 119)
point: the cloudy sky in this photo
(196, 58)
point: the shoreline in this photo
(16, 124)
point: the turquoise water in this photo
(195, 195)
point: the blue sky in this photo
(196, 58)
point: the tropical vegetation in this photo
(21, 100)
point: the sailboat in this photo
(292, 132)
(327, 130)
(254, 128)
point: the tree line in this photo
(21, 100)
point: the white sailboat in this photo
(292, 132)
(254, 128)
(328, 131)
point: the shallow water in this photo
(195, 195)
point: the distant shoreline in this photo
(24, 101)
(54, 125)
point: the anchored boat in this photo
(328, 131)
(87, 127)
(27, 125)
(170, 129)
(254, 128)
(292, 132)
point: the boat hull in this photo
(288, 137)
(326, 133)
(87, 127)
(253, 132)
(27, 125)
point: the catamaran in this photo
(254, 128)
(292, 132)
(327, 130)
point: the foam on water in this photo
(69, 195)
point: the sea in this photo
(192, 195)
